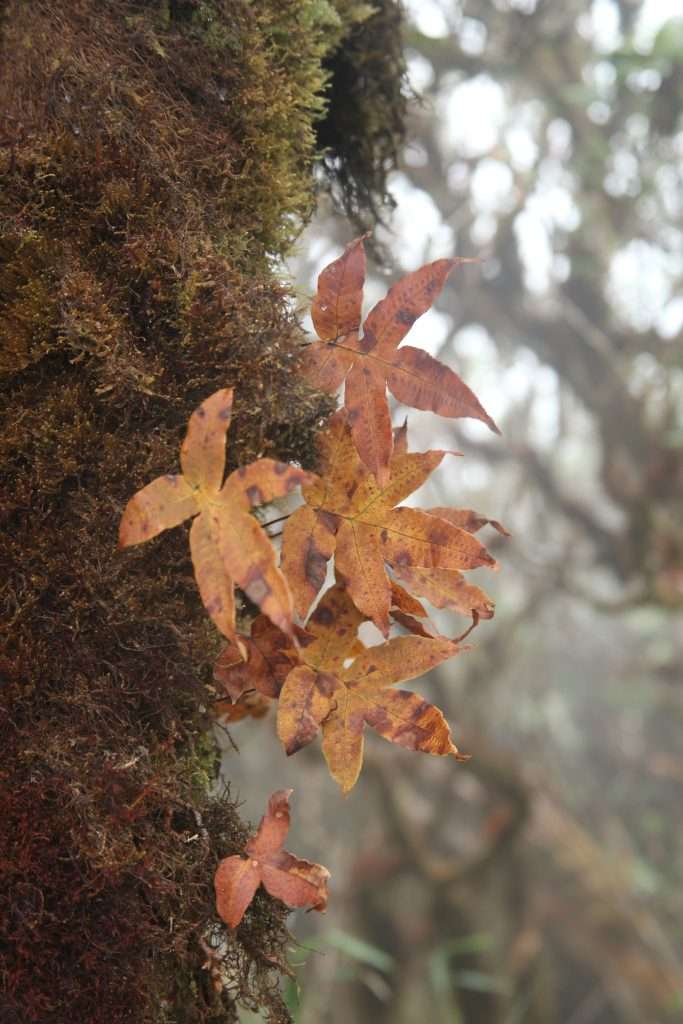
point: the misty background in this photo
(541, 883)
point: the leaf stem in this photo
(279, 520)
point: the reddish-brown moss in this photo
(155, 159)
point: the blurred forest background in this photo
(542, 883)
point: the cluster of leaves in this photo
(314, 663)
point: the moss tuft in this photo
(363, 127)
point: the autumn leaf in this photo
(448, 588)
(228, 546)
(408, 612)
(468, 519)
(370, 363)
(269, 655)
(297, 883)
(348, 513)
(340, 686)
(249, 705)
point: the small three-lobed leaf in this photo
(370, 363)
(227, 544)
(349, 514)
(298, 883)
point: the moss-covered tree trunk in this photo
(156, 158)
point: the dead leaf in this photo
(269, 657)
(249, 705)
(447, 588)
(298, 883)
(340, 686)
(228, 546)
(468, 519)
(370, 363)
(349, 513)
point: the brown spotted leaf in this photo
(250, 705)
(270, 654)
(298, 883)
(373, 361)
(227, 545)
(308, 542)
(168, 501)
(339, 687)
(349, 513)
(468, 519)
(447, 588)
(337, 306)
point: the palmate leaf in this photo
(324, 692)
(227, 545)
(373, 361)
(334, 684)
(298, 883)
(350, 514)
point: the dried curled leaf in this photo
(269, 654)
(349, 513)
(227, 545)
(370, 363)
(298, 883)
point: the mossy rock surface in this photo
(156, 162)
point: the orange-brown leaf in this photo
(202, 455)
(411, 537)
(237, 675)
(405, 602)
(306, 699)
(388, 323)
(359, 558)
(365, 698)
(307, 546)
(266, 480)
(249, 705)
(369, 419)
(336, 309)
(226, 543)
(325, 692)
(213, 579)
(399, 659)
(269, 656)
(447, 588)
(236, 880)
(418, 380)
(332, 630)
(401, 438)
(357, 518)
(273, 827)
(467, 519)
(298, 883)
(325, 366)
(373, 361)
(248, 553)
(166, 502)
